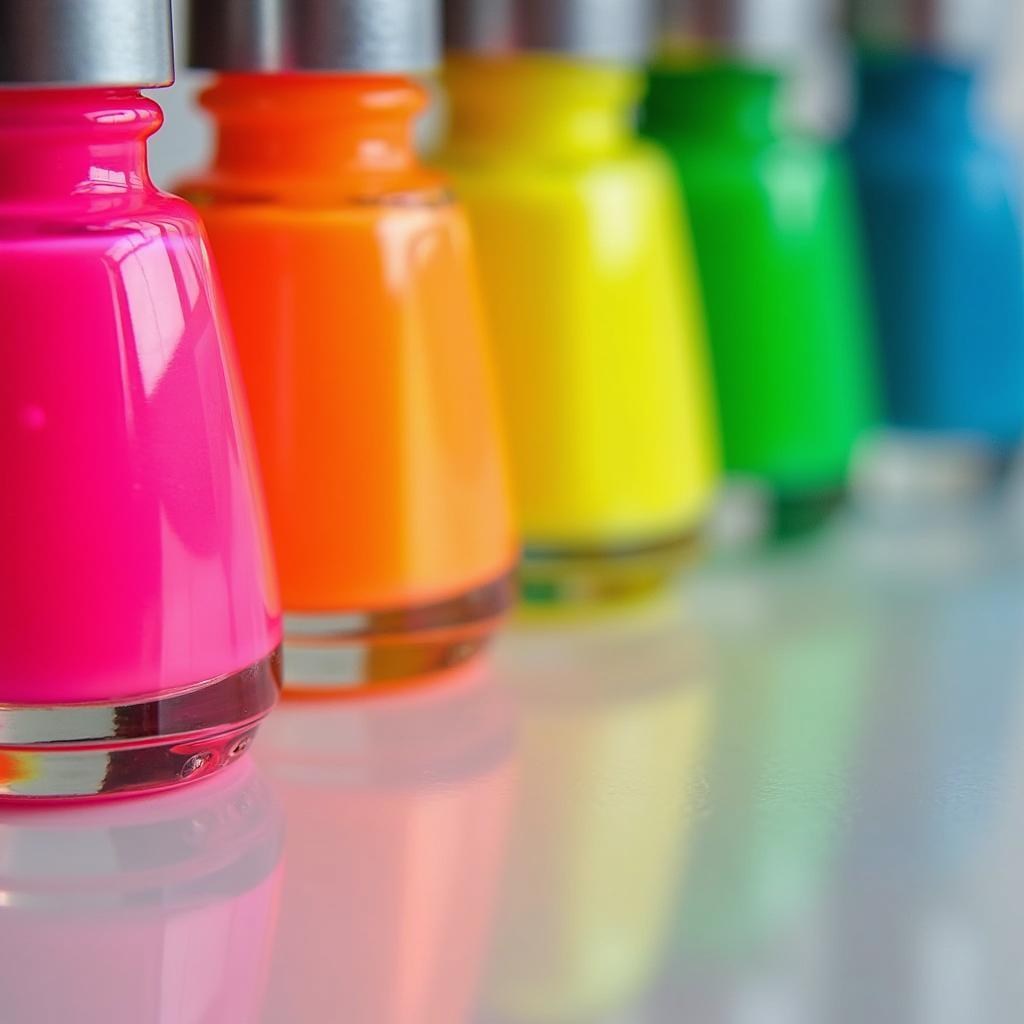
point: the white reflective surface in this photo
(794, 792)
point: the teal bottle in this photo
(777, 246)
(942, 207)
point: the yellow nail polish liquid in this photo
(594, 315)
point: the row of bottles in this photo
(381, 357)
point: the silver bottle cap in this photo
(957, 28)
(369, 36)
(760, 30)
(619, 31)
(86, 43)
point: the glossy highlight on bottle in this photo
(349, 277)
(139, 613)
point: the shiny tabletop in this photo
(792, 791)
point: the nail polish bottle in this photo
(590, 291)
(940, 196)
(351, 286)
(774, 226)
(139, 610)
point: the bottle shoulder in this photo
(796, 165)
(898, 140)
(418, 188)
(779, 145)
(98, 222)
(639, 161)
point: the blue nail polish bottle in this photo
(942, 219)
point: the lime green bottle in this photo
(773, 222)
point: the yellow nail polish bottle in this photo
(594, 313)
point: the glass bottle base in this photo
(903, 471)
(328, 653)
(552, 575)
(799, 513)
(58, 752)
(753, 512)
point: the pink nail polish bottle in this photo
(139, 615)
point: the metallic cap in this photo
(86, 43)
(762, 30)
(603, 30)
(957, 28)
(373, 36)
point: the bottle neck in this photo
(531, 106)
(85, 146)
(720, 99)
(301, 134)
(916, 90)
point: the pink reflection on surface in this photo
(145, 911)
(398, 813)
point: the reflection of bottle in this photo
(595, 318)
(773, 225)
(795, 643)
(798, 654)
(139, 612)
(349, 279)
(908, 929)
(614, 715)
(398, 806)
(142, 911)
(941, 206)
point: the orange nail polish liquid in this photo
(349, 278)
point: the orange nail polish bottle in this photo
(350, 282)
